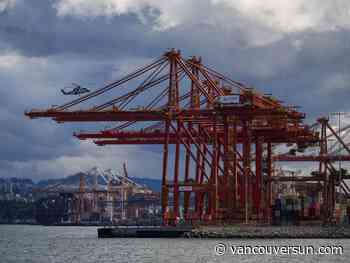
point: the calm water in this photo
(80, 244)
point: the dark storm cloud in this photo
(34, 28)
(307, 68)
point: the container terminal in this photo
(118, 199)
(222, 143)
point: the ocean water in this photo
(40, 244)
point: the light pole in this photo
(339, 114)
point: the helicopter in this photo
(75, 90)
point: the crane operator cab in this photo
(229, 101)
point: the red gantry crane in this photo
(216, 133)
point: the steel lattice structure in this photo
(222, 163)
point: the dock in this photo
(236, 232)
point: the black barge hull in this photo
(143, 232)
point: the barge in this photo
(144, 231)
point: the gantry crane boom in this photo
(224, 129)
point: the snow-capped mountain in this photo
(99, 177)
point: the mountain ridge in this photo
(102, 177)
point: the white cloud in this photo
(291, 16)
(280, 15)
(6, 4)
(10, 60)
(171, 13)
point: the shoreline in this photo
(228, 232)
(232, 232)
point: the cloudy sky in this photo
(298, 50)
